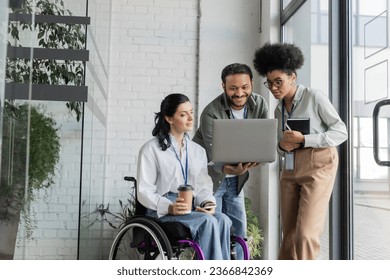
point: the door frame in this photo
(340, 94)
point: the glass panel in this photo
(14, 151)
(371, 186)
(51, 224)
(96, 217)
(285, 3)
(363, 13)
(6, 250)
(76, 7)
(42, 155)
(314, 44)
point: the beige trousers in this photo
(304, 199)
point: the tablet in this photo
(302, 125)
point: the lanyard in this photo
(245, 112)
(289, 114)
(184, 172)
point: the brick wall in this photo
(153, 53)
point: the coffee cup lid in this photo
(185, 188)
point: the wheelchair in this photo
(147, 238)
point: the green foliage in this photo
(30, 139)
(44, 149)
(48, 35)
(254, 233)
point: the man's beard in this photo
(232, 98)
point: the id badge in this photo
(289, 161)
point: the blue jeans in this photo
(233, 205)
(211, 232)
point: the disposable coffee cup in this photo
(186, 192)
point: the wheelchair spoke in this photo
(137, 241)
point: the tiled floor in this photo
(371, 228)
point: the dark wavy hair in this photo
(236, 68)
(168, 108)
(278, 56)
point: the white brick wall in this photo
(154, 50)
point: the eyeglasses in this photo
(277, 83)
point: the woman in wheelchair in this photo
(171, 159)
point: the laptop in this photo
(245, 140)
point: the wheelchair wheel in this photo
(240, 242)
(141, 239)
(187, 254)
(188, 250)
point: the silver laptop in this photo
(247, 140)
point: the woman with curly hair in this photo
(310, 160)
(171, 159)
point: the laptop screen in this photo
(244, 140)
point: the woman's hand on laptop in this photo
(238, 169)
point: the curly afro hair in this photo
(277, 56)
